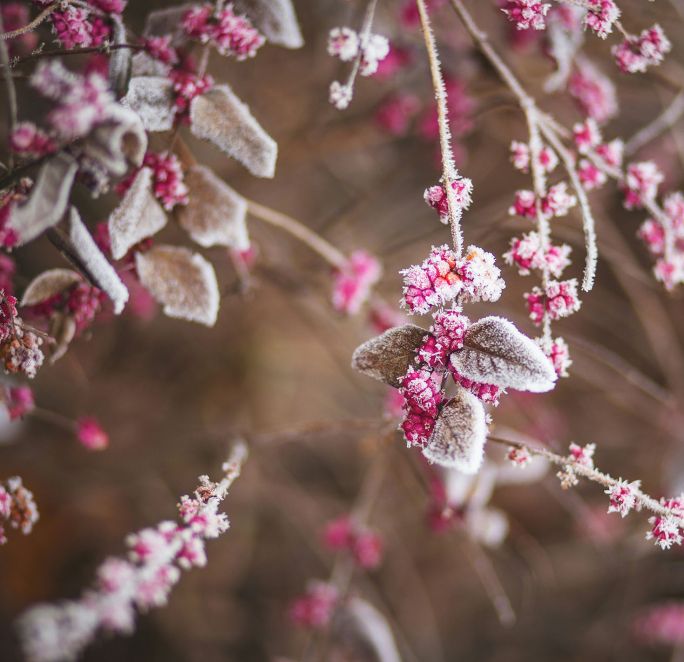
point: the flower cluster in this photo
(527, 254)
(17, 507)
(365, 545)
(28, 140)
(442, 277)
(526, 14)
(593, 91)
(316, 607)
(556, 202)
(636, 53)
(18, 400)
(20, 348)
(641, 184)
(142, 581)
(186, 86)
(666, 530)
(558, 300)
(436, 197)
(600, 158)
(228, 32)
(623, 497)
(353, 283)
(601, 16)
(76, 27)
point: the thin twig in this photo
(4, 36)
(666, 120)
(12, 106)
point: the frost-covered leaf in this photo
(137, 217)
(182, 281)
(275, 19)
(361, 627)
(118, 142)
(99, 269)
(46, 285)
(63, 330)
(220, 117)
(120, 58)
(163, 22)
(388, 356)
(215, 214)
(460, 433)
(144, 64)
(495, 352)
(48, 199)
(473, 491)
(151, 97)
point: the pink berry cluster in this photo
(142, 581)
(601, 16)
(79, 27)
(436, 197)
(636, 53)
(443, 277)
(666, 530)
(228, 32)
(186, 86)
(314, 610)
(593, 91)
(526, 14)
(20, 348)
(559, 299)
(622, 497)
(17, 507)
(167, 179)
(28, 140)
(18, 400)
(364, 544)
(352, 284)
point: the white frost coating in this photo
(182, 281)
(151, 97)
(47, 200)
(220, 117)
(104, 274)
(275, 19)
(460, 433)
(363, 621)
(215, 214)
(118, 142)
(143, 64)
(137, 217)
(388, 356)
(47, 284)
(495, 352)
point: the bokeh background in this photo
(275, 371)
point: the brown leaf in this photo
(387, 357)
(220, 117)
(215, 214)
(460, 433)
(137, 217)
(47, 200)
(182, 281)
(275, 19)
(163, 22)
(97, 265)
(63, 330)
(49, 283)
(151, 97)
(495, 352)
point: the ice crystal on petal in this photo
(623, 497)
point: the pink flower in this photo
(559, 300)
(558, 201)
(374, 51)
(167, 184)
(436, 197)
(160, 49)
(641, 183)
(670, 272)
(524, 204)
(74, 29)
(488, 393)
(19, 401)
(611, 153)
(587, 135)
(557, 350)
(583, 455)
(519, 457)
(91, 434)
(339, 533)
(83, 303)
(652, 233)
(590, 176)
(353, 283)
(431, 283)
(666, 530)
(17, 506)
(394, 115)
(636, 54)
(595, 93)
(367, 549)
(601, 17)
(422, 390)
(526, 254)
(623, 497)
(526, 14)
(187, 86)
(28, 140)
(343, 43)
(479, 275)
(315, 608)
(520, 157)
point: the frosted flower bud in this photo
(343, 43)
(636, 53)
(622, 497)
(641, 183)
(586, 135)
(526, 14)
(601, 16)
(594, 91)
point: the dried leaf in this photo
(167, 22)
(63, 330)
(220, 117)
(361, 627)
(103, 274)
(137, 217)
(49, 283)
(48, 199)
(120, 58)
(387, 357)
(460, 433)
(182, 281)
(117, 143)
(151, 97)
(495, 352)
(275, 19)
(215, 214)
